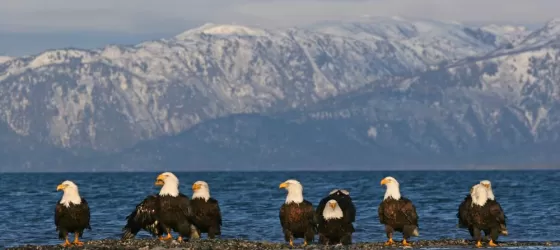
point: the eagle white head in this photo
(201, 190)
(479, 195)
(71, 194)
(332, 210)
(393, 190)
(488, 185)
(169, 184)
(295, 191)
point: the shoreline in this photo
(231, 244)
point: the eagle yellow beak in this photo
(486, 185)
(159, 180)
(60, 187)
(195, 187)
(384, 181)
(332, 204)
(283, 185)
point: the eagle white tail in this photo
(194, 232)
(415, 232)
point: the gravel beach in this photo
(153, 244)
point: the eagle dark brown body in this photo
(207, 216)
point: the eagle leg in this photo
(291, 243)
(405, 243)
(389, 230)
(77, 241)
(66, 242)
(492, 244)
(305, 243)
(180, 238)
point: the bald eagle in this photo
(333, 226)
(71, 214)
(464, 207)
(296, 215)
(343, 199)
(159, 214)
(144, 217)
(397, 213)
(206, 212)
(485, 214)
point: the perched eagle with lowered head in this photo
(486, 215)
(207, 217)
(296, 215)
(464, 207)
(397, 213)
(159, 214)
(333, 226)
(344, 201)
(488, 185)
(71, 214)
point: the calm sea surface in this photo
(250, 201)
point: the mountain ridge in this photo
(444, 91)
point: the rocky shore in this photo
(152, 244)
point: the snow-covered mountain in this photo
(425, 91)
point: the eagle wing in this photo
(58, 213)
(282, 215)
(320, 208)
(498, 213)
(309, 213)
(185, 206)
(144, 217)
(84, 214)
(380, 213)
(216, 210)
(348, 207)
(409, 211)
(463, 211)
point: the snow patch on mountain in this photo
(4, 59)
(223, 30)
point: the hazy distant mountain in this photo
(380, 91)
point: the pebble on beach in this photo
(154, 244)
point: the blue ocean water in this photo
(250, 201)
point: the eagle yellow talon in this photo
(291, 243)
(389, 242)
(304, 243)
(168, 237)
(66, 243)
(405, 243)
(77, 241)
(478, 244)
(180, 239)
(492, 244)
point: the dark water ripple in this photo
(250, 201)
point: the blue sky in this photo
(30, 26)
